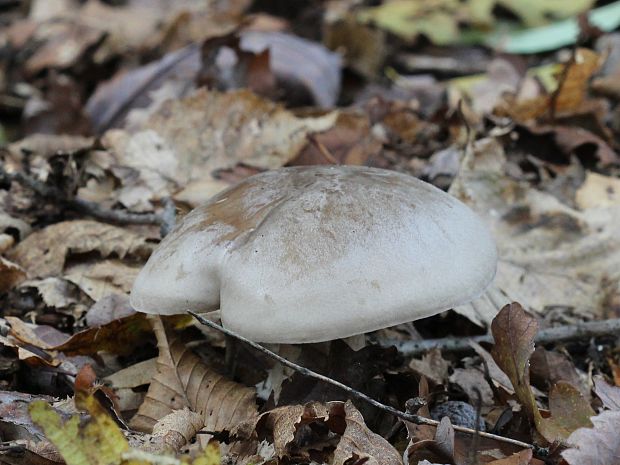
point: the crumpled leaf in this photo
(514, 331)
(184, 380)
(599, 445)
(358, 443)
(344, 438)
(549, 253)
(45, 252)
(186, 141)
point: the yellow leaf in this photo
(98, 441)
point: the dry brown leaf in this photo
(514, 331)
(119, 336)
(432, 366)
(349, 142)
(599, 445)
(102, 278)
(11, 275)
(549, 253)
(353, 442)
(358, 443)
(211, 130)
(45, 252)
(568, 99)
(187, 142)
(184, 380)
(549, 367)
(569, 411)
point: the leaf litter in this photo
(132, 107)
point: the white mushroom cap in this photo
(312, 254)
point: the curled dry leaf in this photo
(45, 252)
(344, 438)
(184, 380)
(599, 445)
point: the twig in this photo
(165, 220)
(557, 334)
(417, 419)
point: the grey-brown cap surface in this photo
(311, 254)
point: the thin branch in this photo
(417, 419)
(53, 195)
(556, 334)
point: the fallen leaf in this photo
(119, 336)
(534, 13)
(410, 18)
(609, 395)
(358, 443)
(97, 441)
(550, 367)
(189, 141)
(184, 380)
(45, 252)
(599, 445)
(102, 278)
(146, 87)
(294, 58)
(569, 411)
(432, 366)
(11, 275)
(598, 191)
(343, 431)
(514, 331)
(549, 253)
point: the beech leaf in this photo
(184, 380)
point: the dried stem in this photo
(417, 419)
(557, 334)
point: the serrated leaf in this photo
(184, 380)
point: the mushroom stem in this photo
(417, 419)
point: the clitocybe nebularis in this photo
(310, 254)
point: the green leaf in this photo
(554, 36)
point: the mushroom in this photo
(310, 254)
